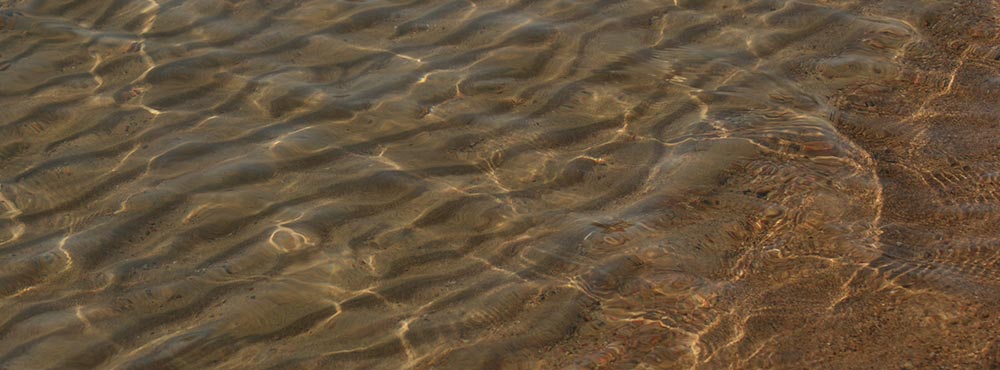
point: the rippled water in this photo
(319, 184)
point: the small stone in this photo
(772, 212)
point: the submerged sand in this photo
(539, 184)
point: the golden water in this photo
(461, 184)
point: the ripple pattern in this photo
(484, 184)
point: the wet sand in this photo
(715, 184)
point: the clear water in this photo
(545, 184)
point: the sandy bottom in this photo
(536, 184)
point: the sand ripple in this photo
(550, 184)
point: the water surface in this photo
(544, 184)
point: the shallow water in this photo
(498, 184)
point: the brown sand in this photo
(548, 184)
